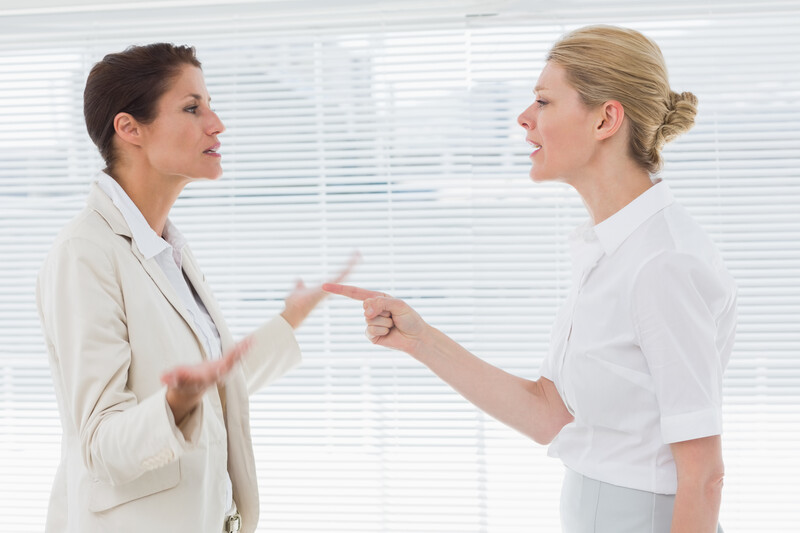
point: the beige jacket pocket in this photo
(103, 496)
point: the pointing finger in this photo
(350, 291)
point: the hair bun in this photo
(681, 110)
(605, 63)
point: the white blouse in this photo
(639, 347)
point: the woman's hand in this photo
(302, 300)
(186, 385)
(390, 322)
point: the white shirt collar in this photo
(176, 241)
(613, 231)
(148, 241)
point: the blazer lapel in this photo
(199, 285)
(160, 279)
(101, 203)
(235, 406)
(226, 340)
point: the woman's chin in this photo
(208, 176)
(539, 177)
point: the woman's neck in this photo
(608, 189)
(153, 194)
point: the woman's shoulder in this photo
(86, 229)
(684, 261)
(87, 238)
(674, 236)
(674, 249)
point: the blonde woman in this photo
(629, 396)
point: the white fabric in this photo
(639, 347)
(168, 253)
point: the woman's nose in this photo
(524, 119)
(216, 126)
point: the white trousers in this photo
(591, 506)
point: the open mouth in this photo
(212, 150)
(536, 147)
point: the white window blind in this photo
(390, 127)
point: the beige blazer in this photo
(113, 324)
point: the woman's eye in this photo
(191, 109)
(541, 103)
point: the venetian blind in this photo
(389, 127)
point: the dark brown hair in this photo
(130, 82)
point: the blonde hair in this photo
(609, 63)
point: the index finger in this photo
(356, 293)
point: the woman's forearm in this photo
(697, 508)
(700, 474)
(533, 408)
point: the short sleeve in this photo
(676, 301)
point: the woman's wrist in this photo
(426, 343)
(180, 408)
(292, 317)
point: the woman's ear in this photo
(128, 129)
(610, 119)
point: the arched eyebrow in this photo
(197, 97)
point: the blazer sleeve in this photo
(274, 352)
(82, 310)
